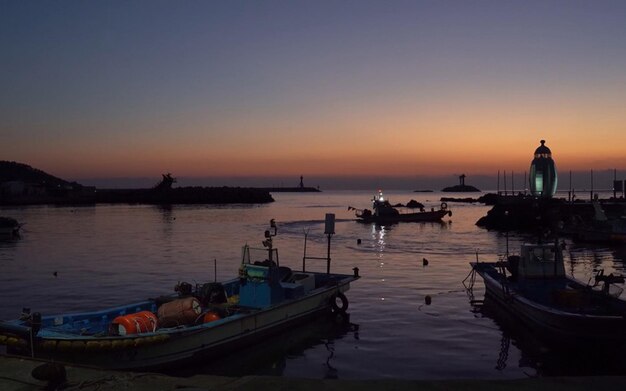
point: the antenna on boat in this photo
(214, 269)
(268, 239)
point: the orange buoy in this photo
(210, 317)
(139, 322)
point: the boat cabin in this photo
(382, 207)
(264, 283)
(542, 260)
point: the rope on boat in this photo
(469, 288)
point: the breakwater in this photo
(527, 213)
(179, 195)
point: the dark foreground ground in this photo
(15, 374)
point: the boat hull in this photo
(163, 348)
(432, 216)
(561, 325)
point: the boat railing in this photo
(329, 231)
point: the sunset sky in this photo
(269, 89)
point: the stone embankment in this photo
(17, 374)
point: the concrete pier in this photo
(15, 374)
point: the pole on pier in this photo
(498, 187)
(591, 191)
(329, 230)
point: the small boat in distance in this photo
(191, 325)
(9, 226)
(384, 213)
(535, 289)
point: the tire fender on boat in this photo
(16, 342)
(49, 345)
(444, 206)
(344, 302)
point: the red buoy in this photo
(139, 322)
(210, 317)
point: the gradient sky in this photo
(283, 88)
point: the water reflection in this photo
(9, 241)
(167, 217)
(620, 254)
(545, 357)
(378, 234)
(270, 356)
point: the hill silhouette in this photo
(21, 184)
(13, 171)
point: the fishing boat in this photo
(600, 228)
(9, 226)
(384, 213)
(193, 323)
(533, 287)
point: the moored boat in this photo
(384, 213)
(534, 287)
(195, 322)
(599, 229)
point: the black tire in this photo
(344, 303)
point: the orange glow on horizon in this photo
(436, 161)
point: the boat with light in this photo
(534, 287)
(195, 322)
(384, 213)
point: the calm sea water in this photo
(110, 254)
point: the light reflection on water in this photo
(110, 254)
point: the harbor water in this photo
(71, 259)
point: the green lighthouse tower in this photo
(543, 176)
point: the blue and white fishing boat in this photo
(195, 322)
(533, 287)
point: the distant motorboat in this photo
(534, 287)
(385, 213)
(9, 226)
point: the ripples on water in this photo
(110, 254)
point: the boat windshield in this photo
(259, 256)
(543, 254)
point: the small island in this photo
(461, 187)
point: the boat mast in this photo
(268, 241)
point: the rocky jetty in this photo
(21, 184)
(303, 189)
(487, 199)
(533, 214)
(461, 189)
(185, 195)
